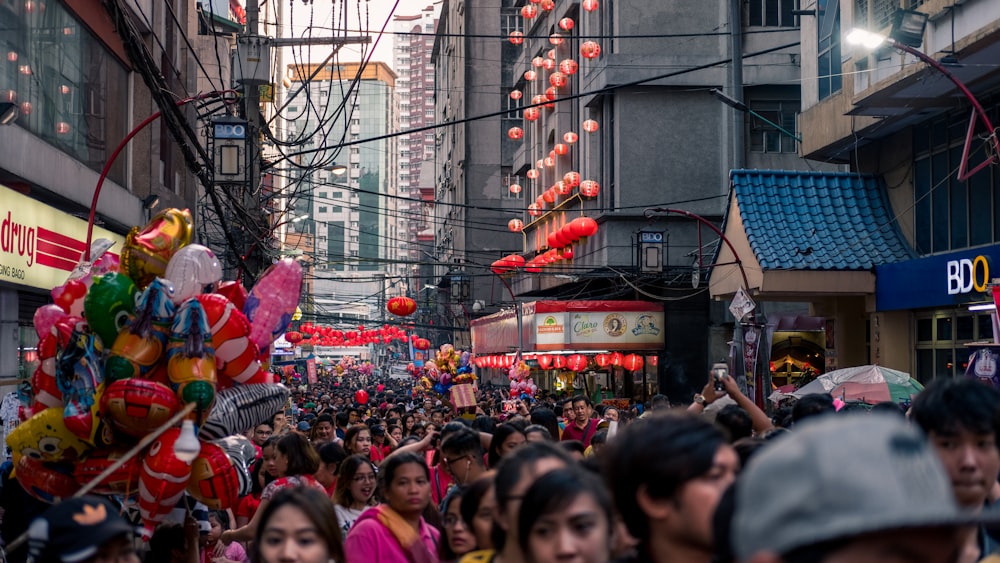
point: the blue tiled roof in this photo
(818, 220)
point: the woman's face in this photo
(290, 537)
(362, 485)
(482, 520)
(269, 460)
(580, 533)
(460, 538)
(362, 443)
(611, 415)
(280, 463)
(397, 434)
(215, 531)
(419, 432)
(410, 490)
(408, 423)
(511, 443)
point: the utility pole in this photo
(736, 80)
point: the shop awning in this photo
(806, 233)
(572, 325)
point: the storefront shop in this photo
(929, 309)
(39, 247)
(604, 349)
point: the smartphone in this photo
(720, 371)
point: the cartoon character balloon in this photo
(47, 482)
(110, 305)
(138, 349)
(122, 481)
(162, 479)
(191, 359)
(44, 436)
(272, 302)
(148, 251)
(214, 479)
(138, 406)
(235, 354)
(191, 270)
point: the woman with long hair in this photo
(565, 514)
(408, 423)
(298, 526)
(294, 464)
(355, 491)
(457, 539)
(395, 531)
(358, 441)
(506, 439)
(478, 507)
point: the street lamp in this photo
(907, 34)
(336, 169)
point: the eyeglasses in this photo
(363, 478)
(448, 462)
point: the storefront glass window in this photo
(925, 330)
(69, 88)
(941, 339)
(964, 327)
(944, 329)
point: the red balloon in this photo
(47, 482)
(122, 481)
(361, 397)
(214, 480)
(380, 387)
(162, 480)
(138, 406)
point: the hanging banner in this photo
(311, 371)
(751, 348)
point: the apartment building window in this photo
(510, 20)
(764, 137)
(322, 209)
(337, 195)
(949, 214)
(772, 13)
(830, 79)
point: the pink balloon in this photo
(46, 317)
(272, 302)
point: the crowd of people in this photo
(404, 478)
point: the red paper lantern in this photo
(568, 66)
(632, 362)
(551, 93)
(545, 361)
(590, 5)
(557, 79)
(549, 195)
(549, 64)
(562, 188)
(570, 137)
(559, 362)
(515, 133)
(583, 227)
(577, 362)
(516, 94)
(566, 24)
(293, 337)
(516, 37)
(590, 126)
(617, 358)
(401, 306)
(422, 344)
(515, 188)
(568, 253)
(549, 162)
(532, 114)
(547, 5)
(590, 49)
(532, 174)
(530, 75)
(572, 179)
(516, 261)
(589, 188)
(515, 225)
(537, 62)
(551, 54)
(561, 149)
(556, 39)
(534, 210)
(529, 12)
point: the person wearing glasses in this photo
(355, 490)
(462, 456)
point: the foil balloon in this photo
(234, 292)
(191, 270)
(78, 374)
(148, 251)
(122, 481)
(45, 390)
(191, 358)
(272, 302)
(46, 317)
(162, 479)
(110, 305)
(47, 482)
(242, 407)
(242, 454)
(137, 406)
(140, 347)
(44, 436)
(214, 479)
(235, 354)
(69, 296)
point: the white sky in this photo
(378, 11)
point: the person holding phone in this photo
(709, 394)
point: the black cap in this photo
(73, 530)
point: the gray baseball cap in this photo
(841, 476)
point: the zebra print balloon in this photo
(240, 408)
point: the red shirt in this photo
(585, 434)
(247, 506)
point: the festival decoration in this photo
(122, 481)
(448, 367)
(147, 251)
(109, 305)
(214, 479)
(401, 306)
(47, 482)
(162, 480)
(272, 302)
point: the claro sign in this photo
(967, 275)
(39, 245)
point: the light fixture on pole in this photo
(150, 201)
(906, 35)
(9, 113)
(740, 106)
(336, 169)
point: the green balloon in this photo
(110, 305)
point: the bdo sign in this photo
(967, 275)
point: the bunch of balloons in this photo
(521, 383)
(449, 367)
(127, 345)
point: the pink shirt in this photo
(369, 540)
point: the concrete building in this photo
(658, 139)
(66, 71)
(885, 113)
